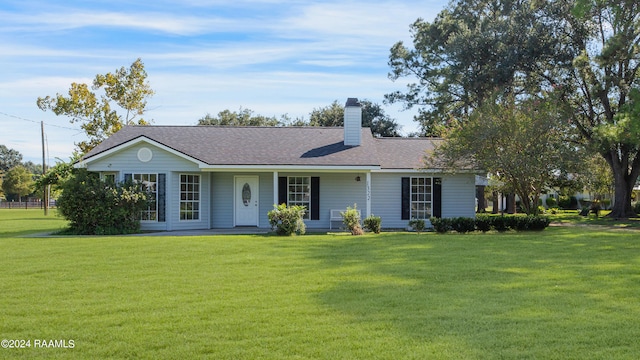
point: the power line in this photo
(38, 122)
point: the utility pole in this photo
(45, 196)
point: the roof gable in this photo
(228, 146)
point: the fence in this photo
(24, 205)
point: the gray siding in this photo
(337, 191)
(126, 161)
(458, 196)
(173, 202)
(222, 201)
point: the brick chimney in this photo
(352, 122)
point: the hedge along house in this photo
(206, 177)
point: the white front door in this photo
(246, 200)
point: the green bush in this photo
(287, 220)
(636, 207)
(441, 225)
(94, 207)
(500, 223)
(551, 202)
(568, 202)
(463, 224)
(483, 223)
(373, 224)
(351, 219)
(417, 225)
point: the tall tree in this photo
(126, 89)
(243, 117)
(9, 158)
(587, 48)
(18, 181)
(522, 144)
(605, 90)
(474, 48)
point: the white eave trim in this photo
(130, 143)
(423, 171)
(299, 168)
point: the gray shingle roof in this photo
(310, 146)
(403, 153)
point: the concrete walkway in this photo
(205, 232)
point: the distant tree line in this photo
(373, 116)
(17, 177)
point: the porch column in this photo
(368, 185)
(275, 187)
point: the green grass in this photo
(573, 217)
(564, 293)
(17, 222)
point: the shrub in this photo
(539, 222)
(287, 220)
(351, 219)
(636, 207)
(441, 225)
(463, 224)
(417, 225)
(568, 202)
(551, 202)
(499, 223)
(483, 223)
(373, 223)
(94, 207)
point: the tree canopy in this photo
(586, 50)
(474, 48)
(17, 181)
(373, 116)
(126, 89)
(9, 158)
(521, 144)
(243, 117)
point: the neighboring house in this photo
(204, 177)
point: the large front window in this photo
(189, 197)
(421, 197)
(299, 192)
(150, 184)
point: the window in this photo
(150, 184)
(109, 178)
(299, 192)
(189, 197)
(421, 198)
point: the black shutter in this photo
(128, 177)
(161, 194)
(437, 197)
(315, 198)
(406, 198)
(282, 190)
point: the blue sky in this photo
(201, 56)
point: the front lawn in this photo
(564, 293)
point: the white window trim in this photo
(308, 206)
(103, 175)
(411, 201)
(199, 198)
(133, 177)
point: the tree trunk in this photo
(622, 208)
(624, 181)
